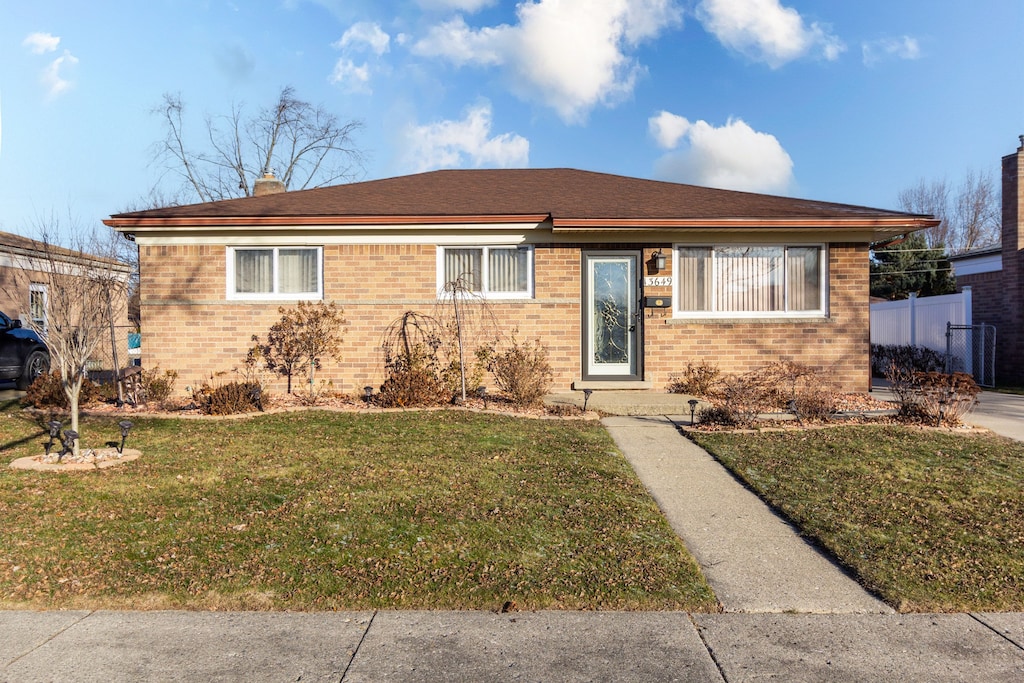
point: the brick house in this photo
(624, 280)
(25, 268)
(996, 276)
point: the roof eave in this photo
(878, 227)
(130, 224)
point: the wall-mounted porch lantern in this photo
(657, 261)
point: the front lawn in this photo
(932, 521)
(322, 510)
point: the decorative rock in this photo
(88, 459)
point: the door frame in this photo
(637, 359)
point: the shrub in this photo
(737, 400)
(522, 371)
(412, 379)
(696, 380)
(157, 387)
(229, 398)
(815, 404)
(717, 415)
(311, 395)
(911, 358)
(302, 339)
(46, 391)
(946, 398)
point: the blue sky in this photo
(837, 101)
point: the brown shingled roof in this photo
(558, 193)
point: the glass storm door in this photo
(611, 323)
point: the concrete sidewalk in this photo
(482, 646)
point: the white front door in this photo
(611, 322)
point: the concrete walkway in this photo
(754, 560)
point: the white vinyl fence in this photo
(919, 321)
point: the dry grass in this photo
(323, 510)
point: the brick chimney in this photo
(1012, 332)
(268, 184)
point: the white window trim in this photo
(527, 294)
(740, 315)
(42, 289)
(232, 295)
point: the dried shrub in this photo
(452, 374)
(737, 400)
(302, 339)
(815, 404)
(945, 399)
(313, 394)
(46, 391)
(902, 384)
(696, 380)
(412, 379)
(910, 358)
(934, 397)
(229, 398)
(717, 415)
(158, 387)
(522, 371)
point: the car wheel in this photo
(36, 364)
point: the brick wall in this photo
(837, 346)
(189, 325)
(1010, 337)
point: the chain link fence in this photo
(972, 349)
(123, 349)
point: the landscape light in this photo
(125, 426)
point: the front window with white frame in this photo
(275, 273)
(750, 281)
(495, 272)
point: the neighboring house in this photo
(996, 276)
(566, 257)
(26, 288)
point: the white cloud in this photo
(454, 144)
(53, 77)
(569, 54)
(353, 78)
(667, 128)
(455, 41)
(732, 157)
(359, 37)
(470, 6)
(901, 48)
(41, 43)
(766, 31)
(364, 34)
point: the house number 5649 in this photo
(657, 282)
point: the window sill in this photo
(781, 320)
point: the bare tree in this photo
(977, 211)
(305, 145)
(930, 197)
(969, 216)
(85, 284)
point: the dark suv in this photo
(23, 355)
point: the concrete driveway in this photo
(1002, 413)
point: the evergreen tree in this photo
(910, 265)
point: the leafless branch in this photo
(306, 146)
